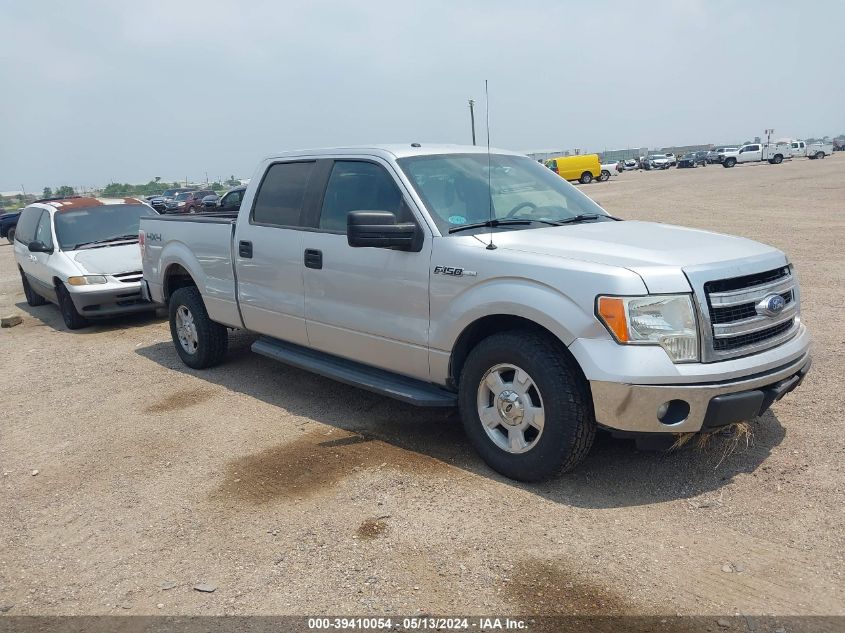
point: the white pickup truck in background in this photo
(447, 276)
(775, 153)
(816, 149)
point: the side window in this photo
(43, 233)
(25, 231)
(360, 186)
(232, 200)
(279, 200)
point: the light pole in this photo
(472, 118)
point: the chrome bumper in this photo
(634, 408)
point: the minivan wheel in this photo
(199, 341)
(32, 298)
(11, 235)
(525, 406)
(604, 175)
(586, 178)
(729, 162)
(73, 320)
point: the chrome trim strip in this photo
(750, 295)
(754, 324)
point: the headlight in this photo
(180, 204)
(665, 320)
(86, 280)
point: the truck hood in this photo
(659, 253)
(108, 260)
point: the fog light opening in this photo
(673, 412)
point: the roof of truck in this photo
(396, 150)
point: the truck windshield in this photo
(455, 190)
(99, 225)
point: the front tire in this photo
(199, 341)
(32, 298)
(525, 406)
(73, 320)
(604, 175)
(586, 178)
(729, 162)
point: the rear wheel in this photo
(729, 162)
(586, 178)
(604, 175)
(819, 154)
(32, 298)
(199, 341)
(777, 160)
(73, 320)
(525, 406)
(11, 235)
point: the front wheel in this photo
(199, 341)
(73, 320)
(604, 175)
(525, 406)
(586, 178)
(729, 162)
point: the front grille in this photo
(129, 277)
(737, 325)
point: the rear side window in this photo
(359, 186)
(25, 231)
(279, 200)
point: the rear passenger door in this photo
(24, 234)
(370, 305)
(268, 252)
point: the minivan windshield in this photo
(460, 189)
(101, 225)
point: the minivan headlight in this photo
(665, 320)
(86, 280)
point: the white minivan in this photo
(82, 254)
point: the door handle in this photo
(313, 258)
(245, 249)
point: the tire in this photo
(586, 178)
(11, 235)
(73, 320)
(729, 162)
(32, 298)
(777, 160)
(557, 387)
(819, 155)
(604, 175)
(199, 341)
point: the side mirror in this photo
(39, 247)
(379, 229)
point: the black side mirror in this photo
(379, 229)
(39, 247)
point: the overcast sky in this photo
(100, 91)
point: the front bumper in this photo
(109, 299)
(629, 407)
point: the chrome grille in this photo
(129, 277)
(738, 323)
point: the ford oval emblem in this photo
(771, 305)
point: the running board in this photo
(379, 381)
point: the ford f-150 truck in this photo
(447, 276)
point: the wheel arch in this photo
(176, 276)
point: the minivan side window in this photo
(359, 186)
(279, 198)
(25, 231)
(43, 233)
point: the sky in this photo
(97, 91)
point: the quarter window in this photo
(359, 186)
(279, 200)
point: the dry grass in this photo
(727, 439)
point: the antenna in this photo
(490, 246)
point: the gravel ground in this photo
(292, 494)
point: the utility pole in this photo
(472, 118)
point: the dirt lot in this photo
(294, 494)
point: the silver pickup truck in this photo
(447, 276)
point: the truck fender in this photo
(178, 254)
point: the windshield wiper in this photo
(581, 217)
(488, 224)
(117, 238)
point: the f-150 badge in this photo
(454, 272)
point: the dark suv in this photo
(188, 201)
